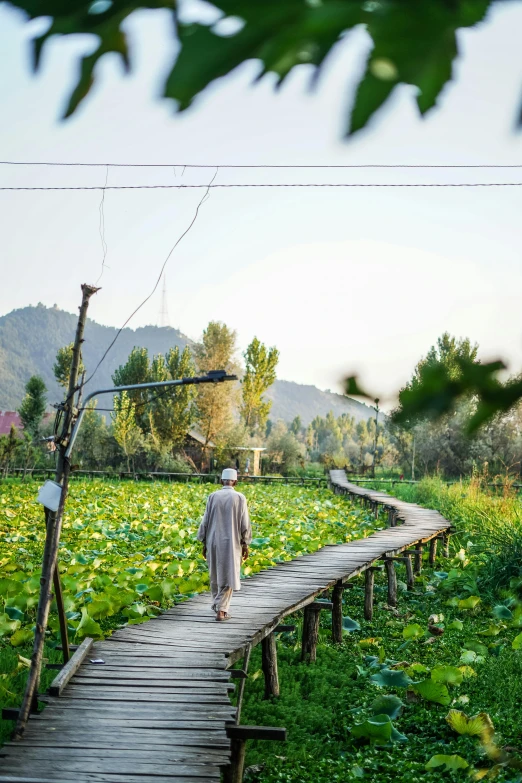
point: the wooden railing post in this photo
(269, 665)
(418, 559)
(369, 579)
(433, 552)
(392, 581)
(337, 613)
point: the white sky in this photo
(341, 280)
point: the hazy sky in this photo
(340, 280)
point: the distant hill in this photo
(291, 399)
(30, 338)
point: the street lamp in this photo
(376, 409)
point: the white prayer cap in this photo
(229, 474)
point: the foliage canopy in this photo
(412, 43)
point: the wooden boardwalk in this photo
(156, 709)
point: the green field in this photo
(129, 549)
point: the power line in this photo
(283, 185)
(274, 165)
(174, 246)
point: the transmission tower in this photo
(164, 311)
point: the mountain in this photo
(291, 399)
(31, 336)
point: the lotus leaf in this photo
(478, 726)
(377, 729)
(450, 675)
(433, 691)
(386, 705)
(391, 679)
(350, 625)
(448, 762)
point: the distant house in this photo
(195, 450)
(9, 419)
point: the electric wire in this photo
(174, 246)
(273, 165)
(278, 185)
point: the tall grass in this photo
(488, 523)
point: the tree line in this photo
(147, 431)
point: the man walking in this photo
(226, 533)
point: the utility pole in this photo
(376, 409)
(67, 412)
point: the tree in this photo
(62, 366)
(136, 370)
(413, 43)
(215, 402)
(260, 374)
(296, 426)
(285, 452)
(9, 445)
(91, 443)
(172, 411)
(33, 405)
(126, 432)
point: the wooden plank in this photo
(257, 732)
(71, 667)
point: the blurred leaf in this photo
(88, 627)
(516, 644)
(469, 603)
(502, 612)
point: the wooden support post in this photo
(433, 552)
(241, 689)
(269, 665)
(337, 613)
(410, 578)
(238, 735)
(446, 544)
(369, 578)
(233, 773)
(392, 582)
(418, 559)
(310, 632)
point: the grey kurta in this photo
(224, 528)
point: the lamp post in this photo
(376, 409)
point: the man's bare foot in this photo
(222, 616)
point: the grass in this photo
(320, 703)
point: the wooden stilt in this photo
(310, 633)
(410, 579)
(392, 582)
(446, 545)
(369, 578)
(391, 517)
(269, 666)
(418, 559)
(337, 613)
(433, 552)
(233, 773)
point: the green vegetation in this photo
(412, 44)
(129, 550)
(408, 697)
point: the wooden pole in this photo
(433, 552)
(269, 666)
(369, 578)
(337, 613)
(310, 633)
(242, 683)
(233, 773)
(53, 530)
(446, 544)
(418, 560)
(392, 582)
(410, 578)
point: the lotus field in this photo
(128, 550)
